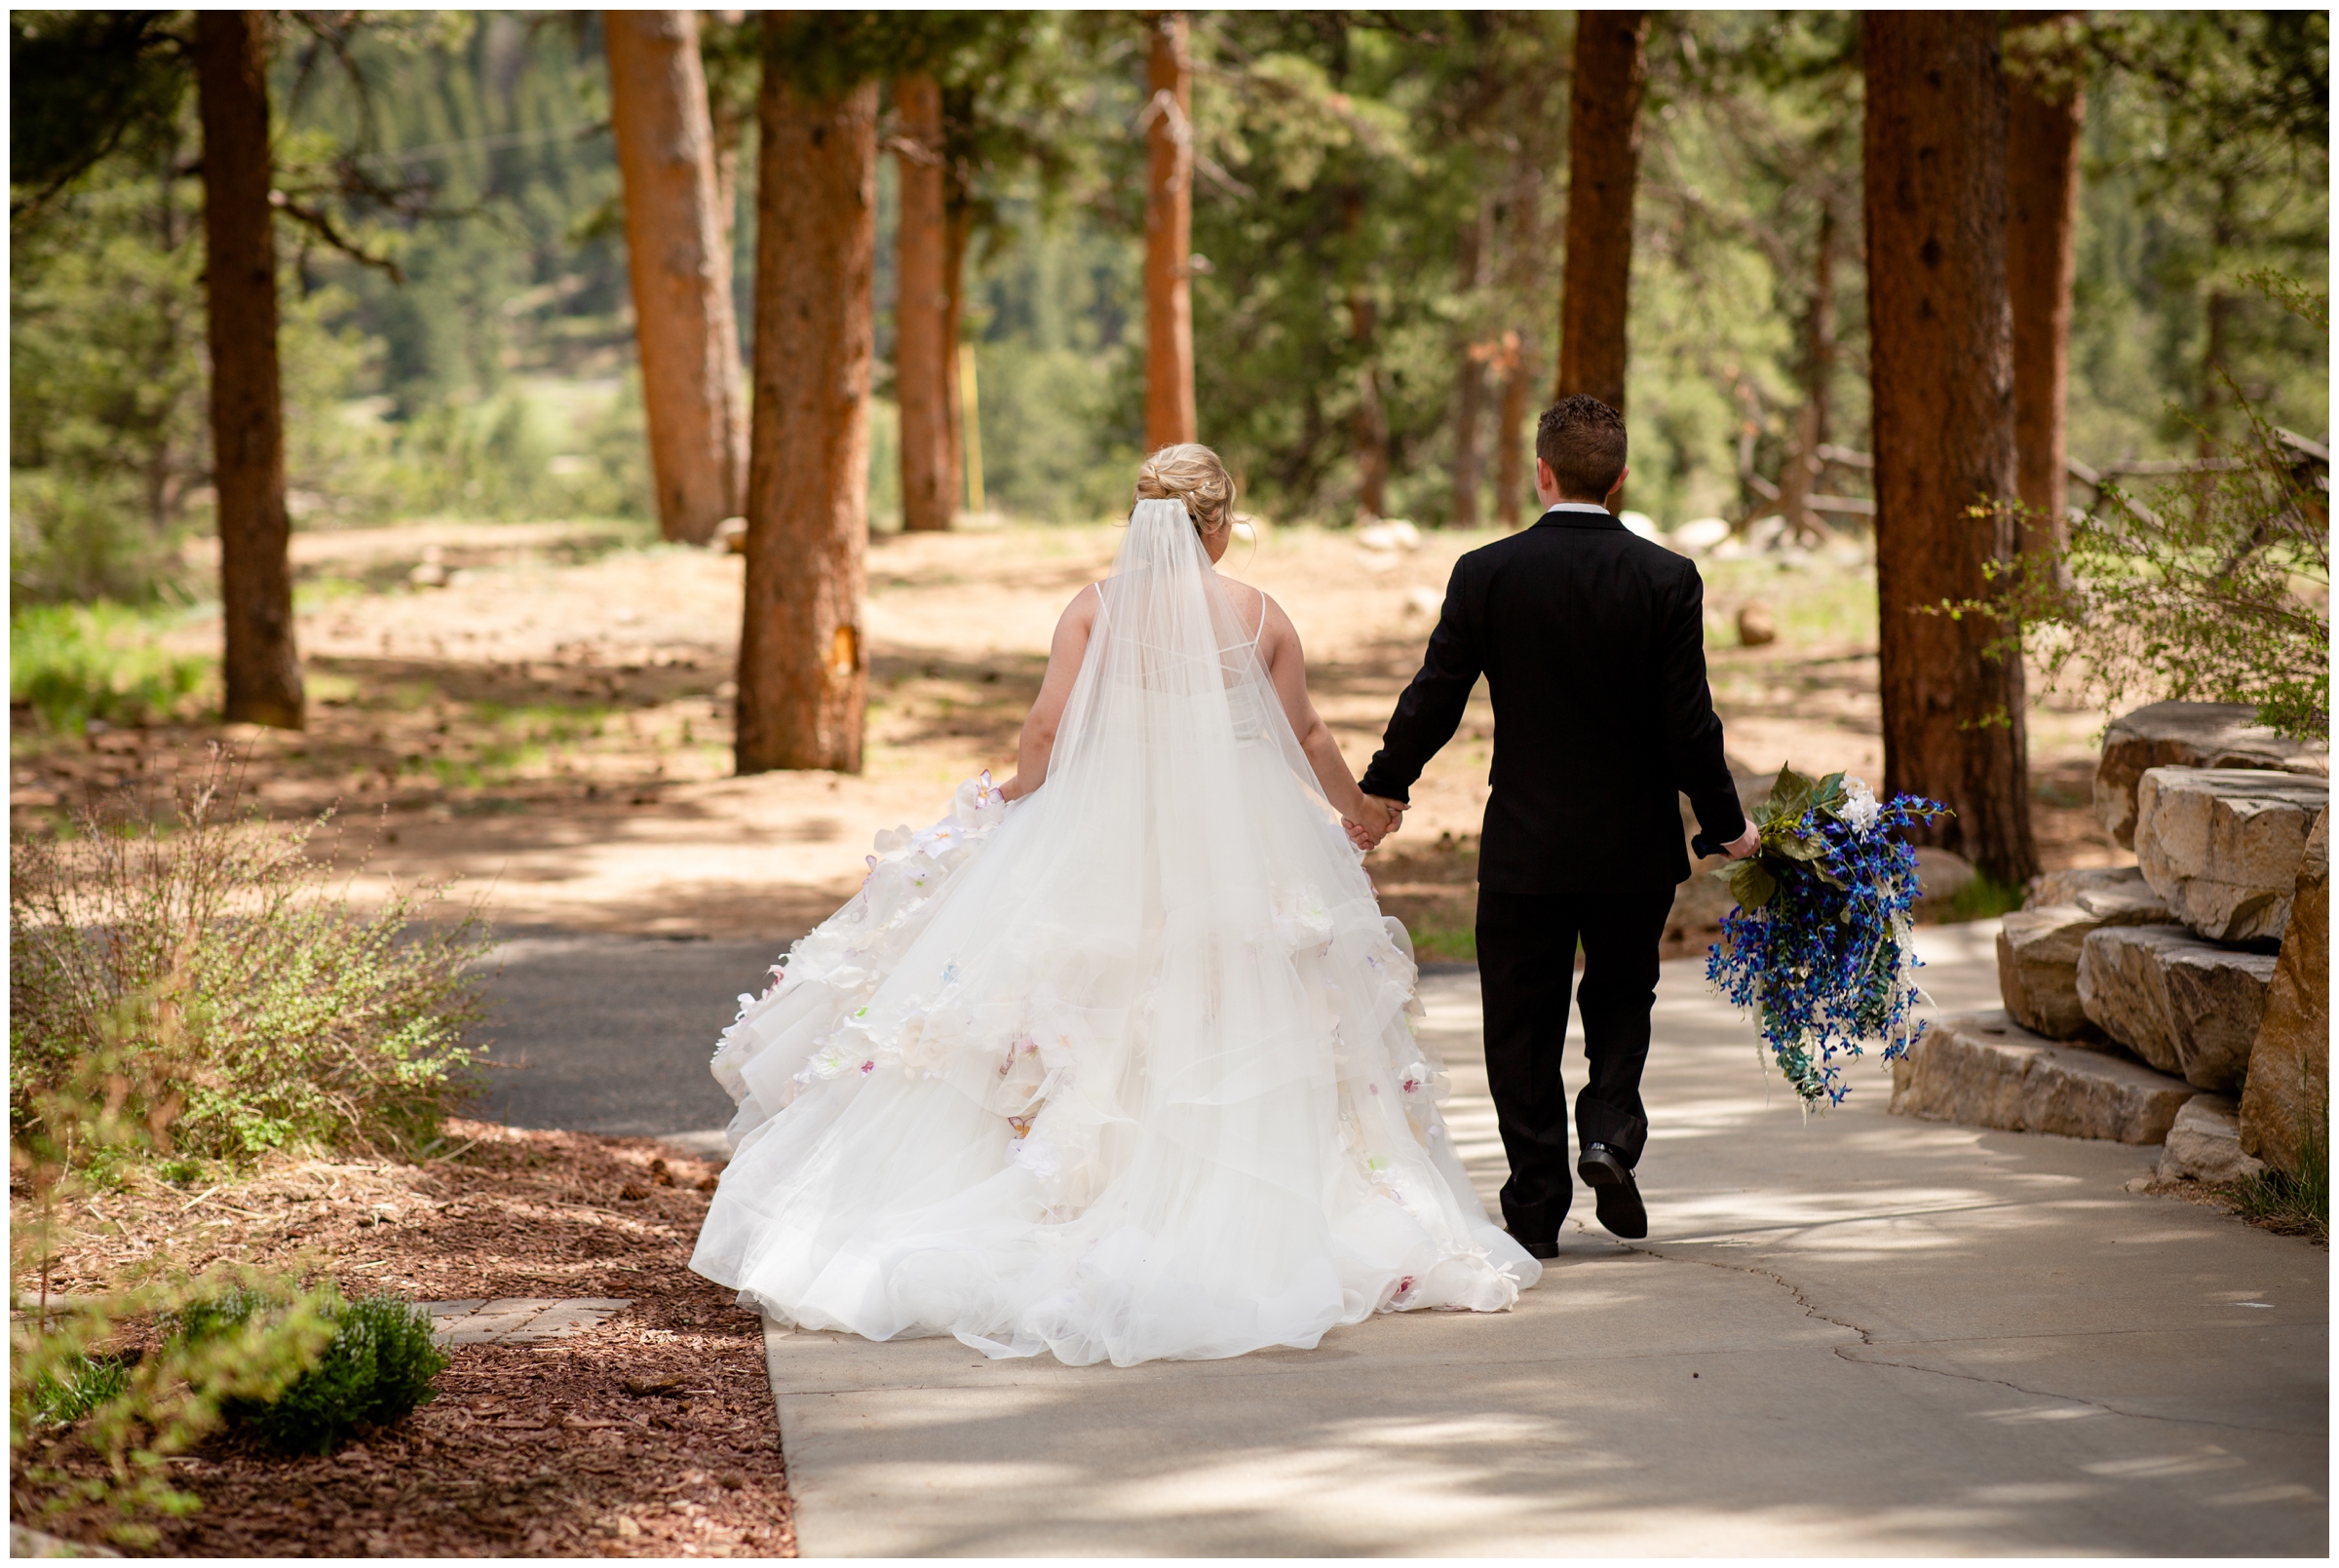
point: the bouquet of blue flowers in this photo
(1819, 945)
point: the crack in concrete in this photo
(1869, 1341)
(1809, 1308)
(2105, 1406)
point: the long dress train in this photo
(1123, 1071)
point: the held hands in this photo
(1378, 819)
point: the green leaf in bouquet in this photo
(1797, 847)
(1828, 797)
(1790, 795)
(1752, 883)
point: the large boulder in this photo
(2204, 1144)
(1983, 1069)
(2185, 1006)
(2289, 1087)
(2223, 844)
(2038, 946)
(2188, 734)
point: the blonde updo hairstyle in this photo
(1189, 473)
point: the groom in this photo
(1591, 640)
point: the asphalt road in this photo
(612, 1034)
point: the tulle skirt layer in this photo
(1113, 1095)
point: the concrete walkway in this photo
(1855, 1334)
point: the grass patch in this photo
(544, 723)
(1437, 942)
(318, 591)
(74, 663)
(1985, 898)
(75, 1386)
(2294, 1205)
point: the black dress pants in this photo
(1526, 971)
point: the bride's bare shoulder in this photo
(1249, 602)
(1081, 613)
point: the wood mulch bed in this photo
(652, 1435)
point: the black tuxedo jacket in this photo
(1593, 643)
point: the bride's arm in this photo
(1065, 654)
(1288, 669)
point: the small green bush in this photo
(260, 1011)
(105, 1113)
(75, 662)
(373, 1372)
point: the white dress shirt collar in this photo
(1577, 505)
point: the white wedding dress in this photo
(1124, 1071)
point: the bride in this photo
(1117, 1060)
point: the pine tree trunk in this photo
(922, 308)
(1510, 441)
(261, 663)
(680, 268)
(803, 668)
(1941, 380)
(1372, 420)
(1169, 236)
(2225, 231)
(1524, 260)
(1818, 369)
(1470, 392)
(1603, 162)
(2042, 162)
(958, 231)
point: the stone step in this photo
(2222, 846)
(519, 1319)
(2183, 1004)
(1983, 1069)
(2188, 734)
(2038, 946)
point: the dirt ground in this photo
(550, 729)
(652, 1435)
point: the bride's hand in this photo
(1014, 789)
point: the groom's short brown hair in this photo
(1582, 442)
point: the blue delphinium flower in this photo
(1819, 947)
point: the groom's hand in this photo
(1746, 844)
(1392, 816)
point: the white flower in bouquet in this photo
(1860, 810)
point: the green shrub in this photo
(76, 536)
(62, 1367)
(373, 1371)
(259, 1011)
(2217, 592)
(75, 662)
